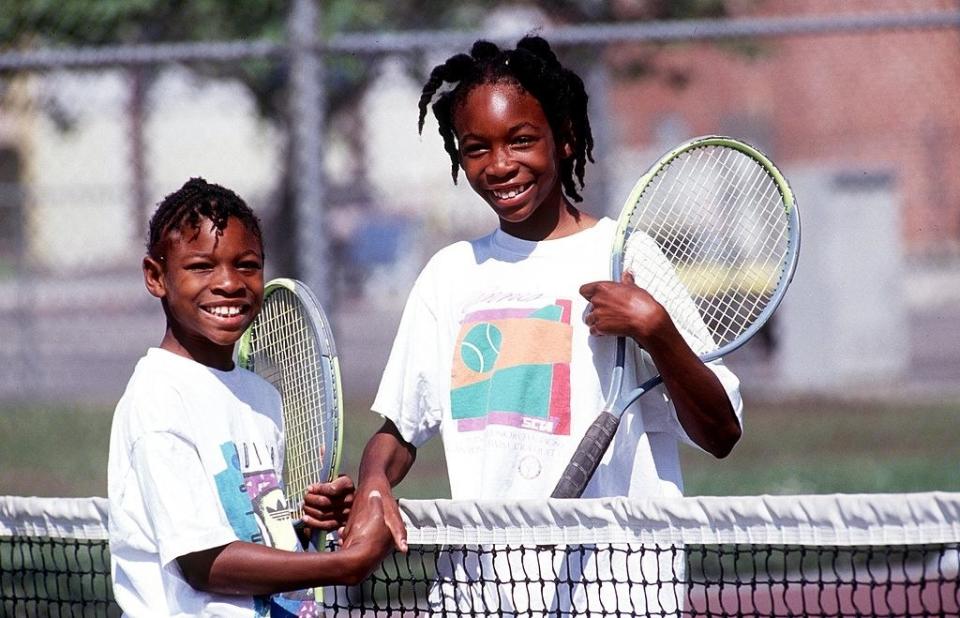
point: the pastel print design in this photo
(257, 510)
(512, 367)
(235, 497)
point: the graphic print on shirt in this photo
(511, 367)
(257, 510)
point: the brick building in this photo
(866, 100)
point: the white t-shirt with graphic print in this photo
(493, 354)
(196, 457)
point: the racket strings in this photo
(286, 353)
(720, 239)
(742, 309)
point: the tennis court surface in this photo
(816, 555)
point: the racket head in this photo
(712, 231)
(290, 344)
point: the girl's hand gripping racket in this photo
(712, 232)
(290, 345)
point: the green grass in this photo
(822, 446)
(427, 478)
(53, 451)
(810, 446)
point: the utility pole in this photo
(306, 131)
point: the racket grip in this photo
(587, 457)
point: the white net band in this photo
(838, 519)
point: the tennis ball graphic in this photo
(480, 347)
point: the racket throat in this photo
(613, 398)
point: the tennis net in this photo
(824, 555)
(54, 558)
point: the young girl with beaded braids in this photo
(506, 342)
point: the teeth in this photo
(224, 312)
(509, 193)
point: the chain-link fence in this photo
(857, 100)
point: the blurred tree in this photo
(31, 23)
(51, 23)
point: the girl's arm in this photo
(386, 460)
(701, 402)
(247, 569)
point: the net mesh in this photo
(288, 348)
(54, 558)
(712, 226)
(836, 555)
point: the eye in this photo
(199, 266)
(524, 140)
(472, 149)
(250, 265)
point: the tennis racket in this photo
(290, 345)
(712, 232)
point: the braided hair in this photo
(198, 199)
(534, 68)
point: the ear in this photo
(153, 277)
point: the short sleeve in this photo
(412, 381)
(180, 502)
(731, 385)
(659, 413)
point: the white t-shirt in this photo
(493, 353)
(196, 456)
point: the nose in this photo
(228, 281)
(501, 164)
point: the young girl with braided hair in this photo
(199, 524)
(507, 341)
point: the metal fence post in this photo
(306, 136)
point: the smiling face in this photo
(510, 156)
(211, 287)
